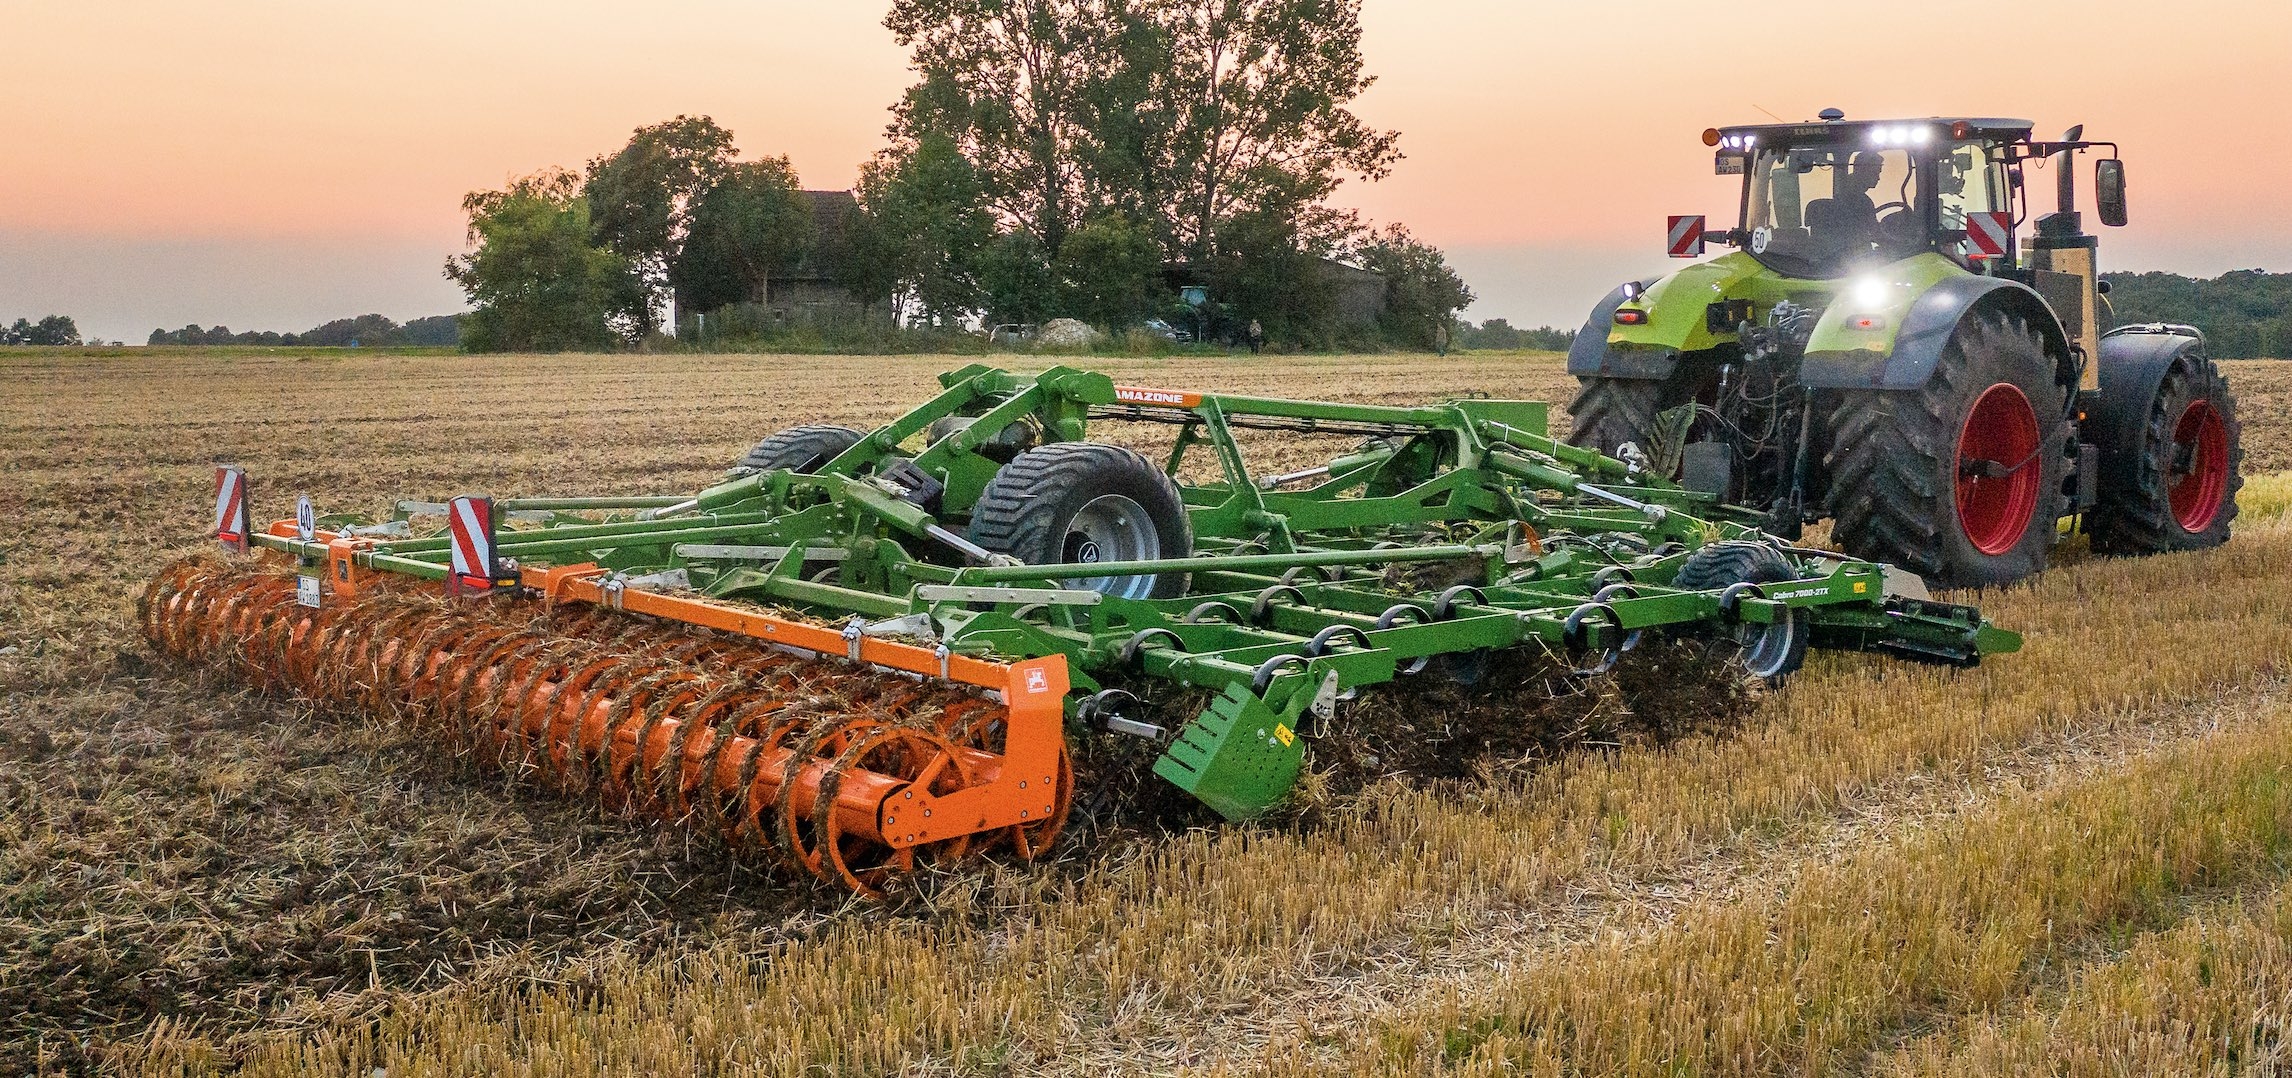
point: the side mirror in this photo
(2109, 191)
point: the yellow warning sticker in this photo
(1861, 586)
(1283, 733)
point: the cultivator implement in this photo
(868, 651)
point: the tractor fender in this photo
(1926, 327)
(2134, 362)
(1590, 353)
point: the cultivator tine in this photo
(768, 749)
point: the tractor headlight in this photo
(1870, 293)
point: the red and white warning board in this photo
(469, 523)
(1988, 233)
(233, 521)
(1686, 237)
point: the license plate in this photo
(306, 590)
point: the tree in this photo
(1262, 269)
(365, 331)
(1257, 93)
(641, 197)
(1109, 271)
(56, 330)
(1421, 290)
(535, 278)
(754, 223)
(922, 231)
(1017, 281)
(1009, 81)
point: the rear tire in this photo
(798, 449)
(1920, 478)
(2175, 487)
(1769, 652)
(1078, 502)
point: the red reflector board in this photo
(1988, 234)
(469, 523)
(1685, 237)
(233, 522)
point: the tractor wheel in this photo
(1960, 481)
(798, 449)
(1769, 652)
(2174, 487)
(1611, 411)
(1071, 503)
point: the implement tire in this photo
(1608, 412)
(1958, 481)
(2175, 483)
(1073, 503)
(1769, 652)
(798, 449)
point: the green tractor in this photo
(1884, 350)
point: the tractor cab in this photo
(1821, 199)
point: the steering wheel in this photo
(1896, 205)
(1899, 227)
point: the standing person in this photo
(1440, 337)
(1256, 337)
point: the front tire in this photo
(1609, 412)
(1959, 481)
(1072, 503)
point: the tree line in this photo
(366, 330)
(1055, 158)
(2245, 314)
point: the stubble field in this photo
(2074, 859)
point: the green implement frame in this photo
(1453, 528)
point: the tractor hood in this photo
(1696, 309)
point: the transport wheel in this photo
(1075, 503)
(1959, 481)
(1769, 652)
(2173, 486)
(800, 449)
(1611, 411)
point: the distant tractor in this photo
(1884, 350)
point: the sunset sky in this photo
(270, 165)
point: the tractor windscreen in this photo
(1814, 210)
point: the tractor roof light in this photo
(1871, 293)
(1961, 130)
(1711, 136)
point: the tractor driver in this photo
(1848, 219)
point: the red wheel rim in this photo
(1998, 472)
(2200, 445)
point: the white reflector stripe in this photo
(471, 521)
(1988, 234)
(1685, 236)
